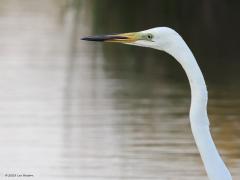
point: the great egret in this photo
(168, 40)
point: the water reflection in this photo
(74, 110)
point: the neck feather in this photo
(213, 163)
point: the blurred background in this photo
(71, 109)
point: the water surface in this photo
(76, 110)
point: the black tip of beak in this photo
(94, 38)
(101, 38)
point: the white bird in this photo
(168, 40)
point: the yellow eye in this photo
(149, 36)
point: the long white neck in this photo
(213, 163)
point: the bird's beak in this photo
(120, 38)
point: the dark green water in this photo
(76, 110)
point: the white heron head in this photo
(168, 40)
(158, 38)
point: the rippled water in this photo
(72, 110)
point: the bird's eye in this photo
(149, 36)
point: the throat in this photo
(199, 96)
